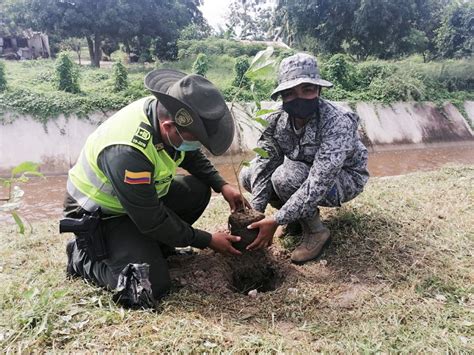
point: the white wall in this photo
(56, 145)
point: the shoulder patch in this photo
(142, 135)
(134, 178)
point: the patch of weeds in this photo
(435, 287)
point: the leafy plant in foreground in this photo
(262, 64)
(13, 201)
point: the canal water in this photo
(43, 197)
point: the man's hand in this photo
(233, 197)
(222, 243)
(267, 228)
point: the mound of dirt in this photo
(238, 222)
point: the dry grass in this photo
(398, 278)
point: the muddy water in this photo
(44, 197)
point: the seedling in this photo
(12, 202)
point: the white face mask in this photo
(185, 146)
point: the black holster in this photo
(89, 236)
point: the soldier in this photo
(315, 159)
(125, 179)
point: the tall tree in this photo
(251, 19)
(122, 20)
(455, 37)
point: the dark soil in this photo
(238, 222)
(210, 272)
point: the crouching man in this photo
(315, 159)
(125, 202)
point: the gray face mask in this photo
(301, 108)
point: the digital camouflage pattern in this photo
(298, 69)
(324, 165)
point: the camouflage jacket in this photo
(329, 142)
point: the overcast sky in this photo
(214, 11)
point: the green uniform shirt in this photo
(141, 201)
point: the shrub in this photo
(3, 79)
(120, 77)
(67, 75)
(400, 86)
(218, 46)
(340, 71)
(201, 64)
(367, 72)
(240, 67)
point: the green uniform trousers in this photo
(188, 197)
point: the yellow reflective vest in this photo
(88, 185)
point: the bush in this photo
(400, 86)
(201, 64)
(240, 67)
(3, 79)
(368, 72)
(340, 70)
(67, 75)
(218, 46)
(120, 77)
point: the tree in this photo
(251, 19)
(380, 27)
(98, 20)
(328, 21)
(455, 37)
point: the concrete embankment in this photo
(56, 144)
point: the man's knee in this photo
(244, 178)
(188, 197)
(288, 178)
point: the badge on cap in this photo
(183, 117)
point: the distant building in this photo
(28, 45)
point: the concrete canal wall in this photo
(56, 144)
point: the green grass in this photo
(31, 88)
(398, 278)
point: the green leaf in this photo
(261, 121)
(262, 65)
(261, 152)
(245, 163)
(29, 294)
(18, 221)
(26, 167)
(263, 112)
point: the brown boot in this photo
(315, 238)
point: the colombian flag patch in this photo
(142, 177)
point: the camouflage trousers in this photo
(289, 176)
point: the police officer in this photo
(315, 159)
(127, 171)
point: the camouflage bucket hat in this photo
(298, 69)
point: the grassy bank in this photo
(397, 277)
(32, 89)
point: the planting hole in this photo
(264, 279)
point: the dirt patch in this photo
(209, 272)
